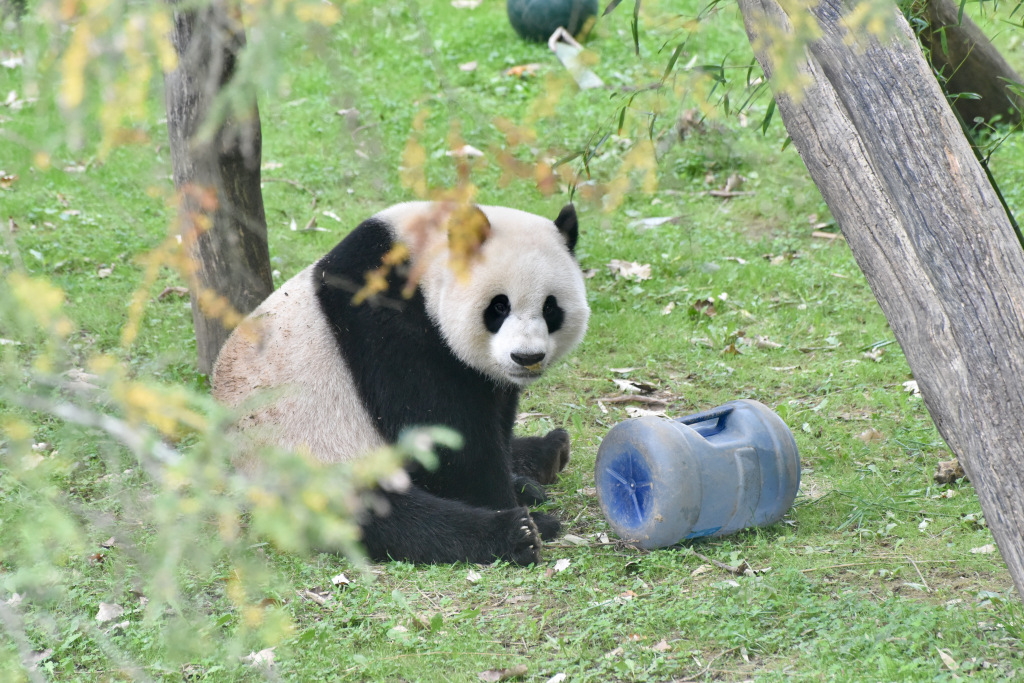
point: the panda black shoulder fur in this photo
(348, 378)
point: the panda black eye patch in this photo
(554, 316)
(496, 312)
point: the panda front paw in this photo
(548, 525)
(528, 492)
(558, 442)
(522, 538)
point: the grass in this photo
(871, 576)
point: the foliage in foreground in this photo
(877, 573)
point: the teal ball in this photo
(538, 19)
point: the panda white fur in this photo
(344, 379)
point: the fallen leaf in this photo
(473, 576)
(264, 658)
(875, 354)
(104, 272)
(575, 540)
(108, 612)
(911, 388)
(492, 675)
(340, 580)
(948, 472)
(870, 435)
(6, 180)
(947, 660)
(630, 270)
(634, 412)
(762, 342)
(523, 70)
(557, 678)
(466, 4)
(647, 223)
(661, 646)
(986, 549)
(167, 291)
(466, 151)
(668, 308)
(109, 543)
(622, 371)
(627, 595)
(562, 565)
(705, 306)
(468, 66)
(314, 596)
(703, 569)
(634, 387)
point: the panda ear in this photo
(568, 225)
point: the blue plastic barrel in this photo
(709, 474)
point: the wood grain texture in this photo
(217, 175)
(929, 233)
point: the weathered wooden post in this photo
(217, 175)
(927, 229)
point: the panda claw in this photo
(523, 543)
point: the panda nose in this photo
(527, 359)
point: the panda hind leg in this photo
(419, 527)
(541, 458)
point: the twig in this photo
(918, 569)
(881, 560)
(738, 570)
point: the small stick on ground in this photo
(738, 570)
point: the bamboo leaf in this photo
(768, 117)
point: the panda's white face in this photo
(523, 305)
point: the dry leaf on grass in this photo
(473, 576)
(986, 549)
(340, 580)
(947, 660)
(263, 658)
(523, 70)
(493, 675)
(632, 386)
(705, 306)
(870, 435)
(948, 472)
(466, 151)
(108, 611)
(635, 412)
(630, 270)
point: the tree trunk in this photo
(970, 64)
(217, 175)
(929, 233)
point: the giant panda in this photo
(438, 345)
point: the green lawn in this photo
(877, 573)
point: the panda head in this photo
(522, 306)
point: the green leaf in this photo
(672, 60)
(768, 117)
(611, 5)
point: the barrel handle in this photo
(707, 415)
